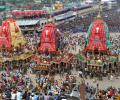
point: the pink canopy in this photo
(27, 12)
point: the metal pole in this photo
(51, 7)
(100, 9)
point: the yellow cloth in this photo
(17, 37)
(118, 97)
(20, 57)
(58, 6)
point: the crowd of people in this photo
(16, 85)
(109, 93)
(115, 41)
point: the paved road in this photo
(105, 83)
(102, 84)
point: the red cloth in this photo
(97, 39)
(15, 78)
(5, 35)
(48, 38)
(111, 92)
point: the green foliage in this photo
(80, 57)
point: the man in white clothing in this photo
(13, 96)
(19, 95)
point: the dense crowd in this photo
(109, 93)
(16, 85)
(115, 41)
